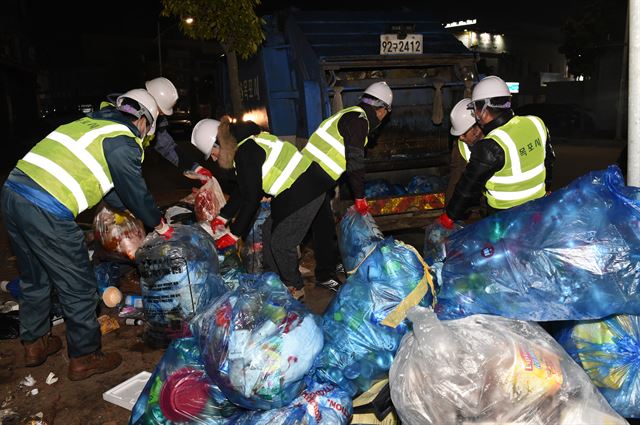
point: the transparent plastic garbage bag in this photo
(488, 369)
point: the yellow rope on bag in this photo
(398, 314)
(350, 272)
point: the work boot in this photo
(36, 352)
(91, 364)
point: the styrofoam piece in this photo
(126, 394)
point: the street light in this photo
(187, 21)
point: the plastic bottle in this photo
(134, 322)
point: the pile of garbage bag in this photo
(118, 231)
(571, 255)
(609, 351)
(258, 343)
(180, 392)
(358, 236)
(380, 188)
(426, 184)
(318, 404)
(365, 322)
(488, 369)
(177, 277)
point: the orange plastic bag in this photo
(119, 232)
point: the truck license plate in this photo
(390, 44)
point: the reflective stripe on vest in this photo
(523, 140)
(283, 164)
(70, 164)
(464, 150)
(326, 144)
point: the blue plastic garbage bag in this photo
(365, 321)
(358, 235)
(425, 184)
(379, 188)
(572, 255)
(609, 351)
(251, 251)
(319, 404)
(258, 343)
(177, 277)
(180, 392)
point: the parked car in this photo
(568, 120)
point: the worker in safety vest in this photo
(69, 171)
(511, 165)
(338, 147)
(468, 132)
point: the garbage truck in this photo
(313, 64)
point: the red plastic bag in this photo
(209, 200)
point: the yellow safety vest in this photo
(523, 140)
(326, 144)
(70, 164)
(283, 164)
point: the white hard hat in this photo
(382, 92)
(204, 135)
(462, 118)
(148, 107)
(164, 92)
(489, 87)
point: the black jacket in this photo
(355, 128)
(487, 158)
(245, 199)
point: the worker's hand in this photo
(202, 173)
(164, 230)
(362, 206)
(226, 240)
(218, 226)
(445, 221)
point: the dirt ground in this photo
(70, 403)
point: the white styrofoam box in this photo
(126, 394)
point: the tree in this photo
(233, 23)
(598, 24)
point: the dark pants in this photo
(325, 244)
(280, 249)
(52, 253)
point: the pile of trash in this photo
(456, 342)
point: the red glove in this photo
(164, 230)
(226, 240)
(203, 172)
(218, 226)
(362, 206)
(446, 221)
